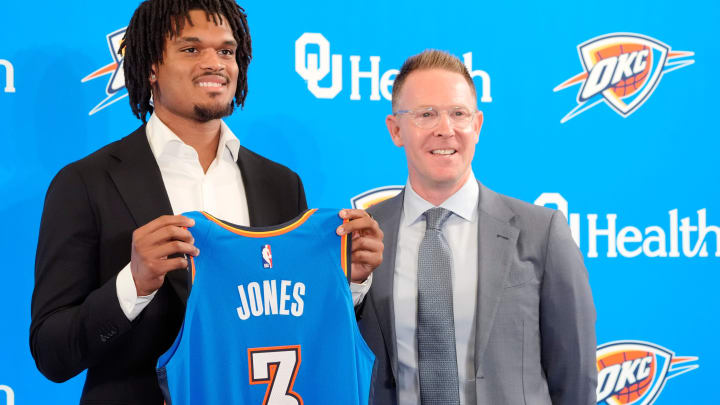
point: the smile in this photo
(210, 84)
(211, 81)
(443, 151)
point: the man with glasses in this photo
(481, 298)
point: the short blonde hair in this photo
(426, 60)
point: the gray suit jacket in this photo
(535, 328)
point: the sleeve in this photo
(567, 320)
(76, 319)
(130, 303)
(359, 291)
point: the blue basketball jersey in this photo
(269, 319)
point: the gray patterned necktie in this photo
(437, 362)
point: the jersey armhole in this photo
(346, 254)
(201, 232)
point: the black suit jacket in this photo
(91, 209)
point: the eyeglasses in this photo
(429, 117)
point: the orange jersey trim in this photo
(262, 234)
(192, 269)
(344, 252)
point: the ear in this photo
(153, 74)
(477, 125)
(393, 129)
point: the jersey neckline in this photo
(262, 232)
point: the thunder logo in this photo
(635, 372)
(369, 198)
(115, 89)
(622, 70)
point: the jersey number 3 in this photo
(277, 367)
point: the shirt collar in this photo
(163, 140)
(463, 203)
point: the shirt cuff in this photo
(130, 303)
(360, 290)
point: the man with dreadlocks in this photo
(106, 298)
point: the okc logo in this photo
(371, 197)
(635, 372)
(267, 257)
(623, 70)
(115, 89)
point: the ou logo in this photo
(9, 394)
(9, 86)
(313, 67)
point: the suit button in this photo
(107, 332)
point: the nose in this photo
(211, 61)
(445, 125)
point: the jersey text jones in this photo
(268, 299)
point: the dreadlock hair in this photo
(154, 21)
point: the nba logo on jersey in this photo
(267, 257)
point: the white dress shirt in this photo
(460, 230)
(219, 191)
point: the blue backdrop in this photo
(634, 171)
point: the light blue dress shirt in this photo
(461, 233)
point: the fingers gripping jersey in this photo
(269, 320)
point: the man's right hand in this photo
(153, 244)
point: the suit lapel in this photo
(383, 277)
(496, 243)
(139, 182)
(253, 190)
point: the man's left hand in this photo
(367, 243)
